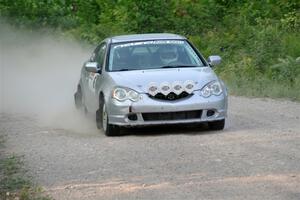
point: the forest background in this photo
(259, 40)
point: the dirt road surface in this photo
(257, 156)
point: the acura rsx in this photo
(151, 79)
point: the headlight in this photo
(212, 88)
(122, 94)
(133, 95)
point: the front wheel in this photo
(217, 125)
(103, 122)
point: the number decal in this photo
(92, 81)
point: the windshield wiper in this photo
(124, 69)
(178, 66)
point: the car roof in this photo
(148, 36)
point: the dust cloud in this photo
(38, 77)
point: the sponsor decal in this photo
(149, 42)
(92, 81)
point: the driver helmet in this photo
(168, 54)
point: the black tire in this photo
(99, 118)
(78, 98)
(85, 110)
(217, 125)
(108, 129)
(112, 130)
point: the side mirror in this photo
(91, 67)
(214, 60)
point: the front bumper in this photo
(118, 112)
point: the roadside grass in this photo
(14, 184)
(263, 87)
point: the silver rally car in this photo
(151, 79)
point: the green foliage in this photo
(13, 183)
(250, 35)
(37, 14)
(10, 179)
(145, 16)
(287, 69)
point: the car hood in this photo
(139, 80)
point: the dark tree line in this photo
(259, 40)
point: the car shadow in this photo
(158, 130)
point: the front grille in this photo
(195, 114)
(171, 96)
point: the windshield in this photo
(152, 55)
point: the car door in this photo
(91, 95)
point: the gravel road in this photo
(257, 156)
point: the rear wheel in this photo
(103, 121)
(79, 103)
(217, 125)
(78, 98)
